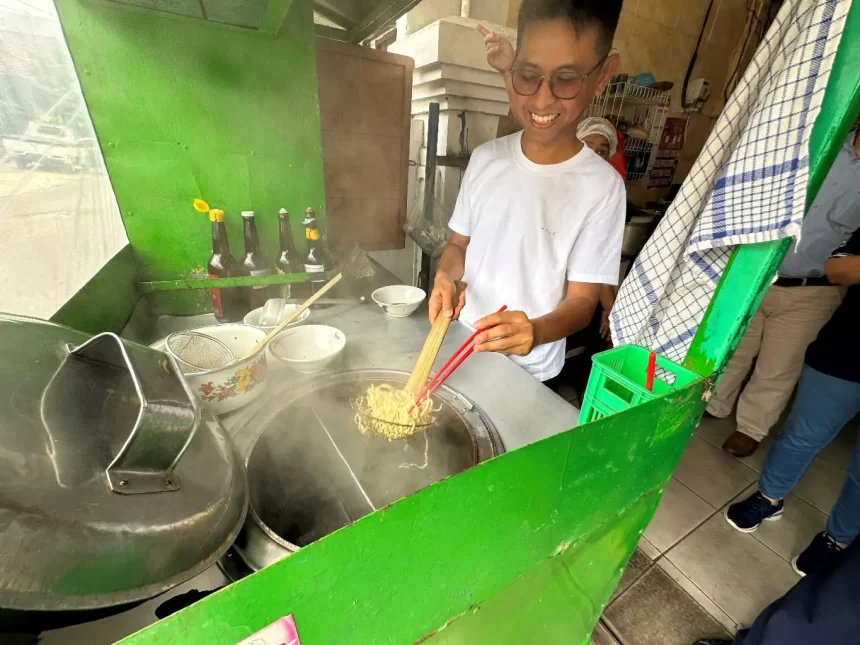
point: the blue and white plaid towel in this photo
(747, 185)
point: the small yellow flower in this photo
(200, 206)
(243, 379)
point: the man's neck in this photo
(548, 154)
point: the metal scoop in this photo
(198, 352)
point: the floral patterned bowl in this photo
(238, 384)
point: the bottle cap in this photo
(248, 214)
(283, 211)
(219, 215)
(212, 215)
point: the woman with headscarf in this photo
(598, 134)
(603, 138)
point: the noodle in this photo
(384, 410)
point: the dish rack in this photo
(644, 109)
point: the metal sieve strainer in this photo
(196, 352)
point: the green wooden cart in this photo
(524, 548)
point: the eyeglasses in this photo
(564, 85)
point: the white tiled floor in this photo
(724, 577)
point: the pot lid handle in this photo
(122, 408)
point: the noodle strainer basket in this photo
(388, 429)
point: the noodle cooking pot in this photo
(116, 484)
(311, 471)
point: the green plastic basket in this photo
(617, 381)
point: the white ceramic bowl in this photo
(238, 384)
(252, 319)
(399, 300)
(308, 349)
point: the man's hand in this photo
(442, 299)
(605, 332)
(509, 332)
(500, 52)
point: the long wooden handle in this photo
(424, 364)
(298, 312)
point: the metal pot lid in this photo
(311, 471)
(115, 485)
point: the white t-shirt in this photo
(533, 228)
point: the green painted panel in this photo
(186, 108)
(556, 599)
(752, 266)
(403, 572)
(106, 302)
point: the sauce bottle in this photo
(228, 304)
(255, 263)
(317, 261)
(288, 259)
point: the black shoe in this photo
(740, 445)
(747, 516)
(714, 641)
(821, 556)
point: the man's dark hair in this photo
(601, 15)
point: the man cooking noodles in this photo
(540, 217)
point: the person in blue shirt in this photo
(792, 312)
(828, 397)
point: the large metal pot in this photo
(116, 486)
(636, 234)
(311, 472)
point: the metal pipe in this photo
(429, 187)
(430, 167)
(466, 9)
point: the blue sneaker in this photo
(821, 556)
(747, 516)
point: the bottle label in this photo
(257, 274)
(314, 268)
(312, 234)
(217, 303)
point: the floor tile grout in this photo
(630, 586)
(692, 491)
(608, 623)
(612, 632)
(704, 593)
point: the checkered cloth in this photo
(747, 185)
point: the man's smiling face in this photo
(554, 48)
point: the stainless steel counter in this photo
(522, 409)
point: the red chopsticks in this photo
(442, 374)
(652, 368)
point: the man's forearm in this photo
(569, 317)
(845, 270)
(452, 263)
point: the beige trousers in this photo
(788, 319)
